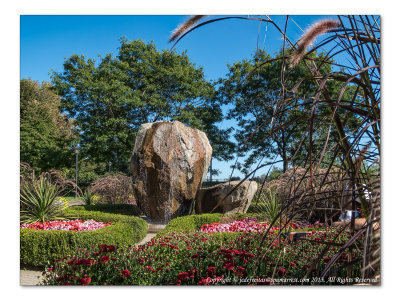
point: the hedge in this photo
(39, 247)
(121, 209)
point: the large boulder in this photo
(213, 199)
(169, 163)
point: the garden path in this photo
(33, 277)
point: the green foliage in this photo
(272, 118)
(39, 201)
(192, 222)
(89, 197)
(45, 134)
(138, 85)
(120, 209)
(39, 247)
(88, 171)
(268, 203)
(41, 196)
(275, 173)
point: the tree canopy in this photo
(272, 118)
(46, 135)
(111, 98)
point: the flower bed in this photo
(250, 224)
(247, 224)
(211, 223)
(74, 225)
(194, 222)
(202, 259)
(243, 225)
(39, 247)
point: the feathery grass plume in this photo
(185, 26)
(310, 35)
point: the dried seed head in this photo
(185, 26)
(310, 35)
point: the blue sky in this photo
(47, 40)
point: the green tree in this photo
(46, 135)
(111, 99)
(272, 118)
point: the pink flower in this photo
(73, 225)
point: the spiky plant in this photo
(39, 201)
(39, 195)
(269, 204)
(88, 197)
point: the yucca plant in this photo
(268, 203)
(39, 200)
(89, 197)
(40, 195)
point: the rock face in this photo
(169, 163)
(212, 199)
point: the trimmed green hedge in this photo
(121, 209)
(38, 247)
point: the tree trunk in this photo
(211, 170)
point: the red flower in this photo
(229, 265)
(211, 271)
(291, 263)
(87, 262)
(103, 247)
(125, 273)
(192, 273)
(228, 256)
(110, 248)
(104, 259)
(183, 275)
(85, 280)
(241, 272)
(204, 281)
(282, 272)
(150, 268)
